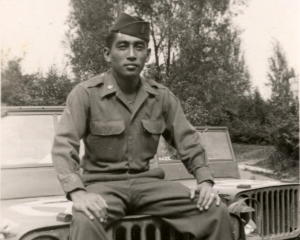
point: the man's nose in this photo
(131, 54)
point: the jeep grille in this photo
(144, 228)
(278, 209)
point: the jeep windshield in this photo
(215, 140)
(26, 139)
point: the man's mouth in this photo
(131, 65)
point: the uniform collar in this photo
(148, 88)
(110, 85)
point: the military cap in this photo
(132, 26)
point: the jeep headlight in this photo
(243, 211)
(237, 226)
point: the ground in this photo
(257, 155)
(246, 152)
(250, 154)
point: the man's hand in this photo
(91, 204)
(206, 195)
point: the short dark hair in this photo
(110, 38)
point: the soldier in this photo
(120, 116)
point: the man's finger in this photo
(96, 210)
(103, 208)
(88, 213)
(105, 204)
(211, 199)
(206, 197)
(192, 192)
(201, 199)
(103, 212)
(102, 201)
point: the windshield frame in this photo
(57, 111)
(31, 110)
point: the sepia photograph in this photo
(149, 119)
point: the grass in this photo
(269, 159)
(246, 152)
(284, 167)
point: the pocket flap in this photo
(107, 128)
(154, 126)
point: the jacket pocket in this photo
(154, 126)
(107, 128)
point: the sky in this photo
(264, 22)
(35, 30)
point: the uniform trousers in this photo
(167, 200)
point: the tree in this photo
(252, 124)
(14, 84)
(89, 22)
(51, 90)
(20, 89)
(211, 65)
(199, 58)
(284, 113)
(279, 75)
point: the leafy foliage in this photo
(279, 76)
(196, 51)
(284, 110)
(89, 22)
(20, 89)
(13, 84)
(253, 124)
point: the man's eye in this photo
(122, 47)
(140, 47)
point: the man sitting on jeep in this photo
(120, 116)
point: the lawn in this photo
(245, 152)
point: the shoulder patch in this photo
(153, 83)
(93, 82)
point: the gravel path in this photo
(245, 174)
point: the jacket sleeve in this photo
(71, 128)
(185, 138)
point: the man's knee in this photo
(79, 218)
(81, 222)
(223, 209)
(84, 228)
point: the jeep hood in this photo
(34, 213)
(232, 187)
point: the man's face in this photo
(127, 55)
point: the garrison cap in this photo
(132, 26)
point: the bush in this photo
(286, 137)
(249, 132)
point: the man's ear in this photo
(148, 54)
(106, 53)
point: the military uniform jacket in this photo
(119, 138)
